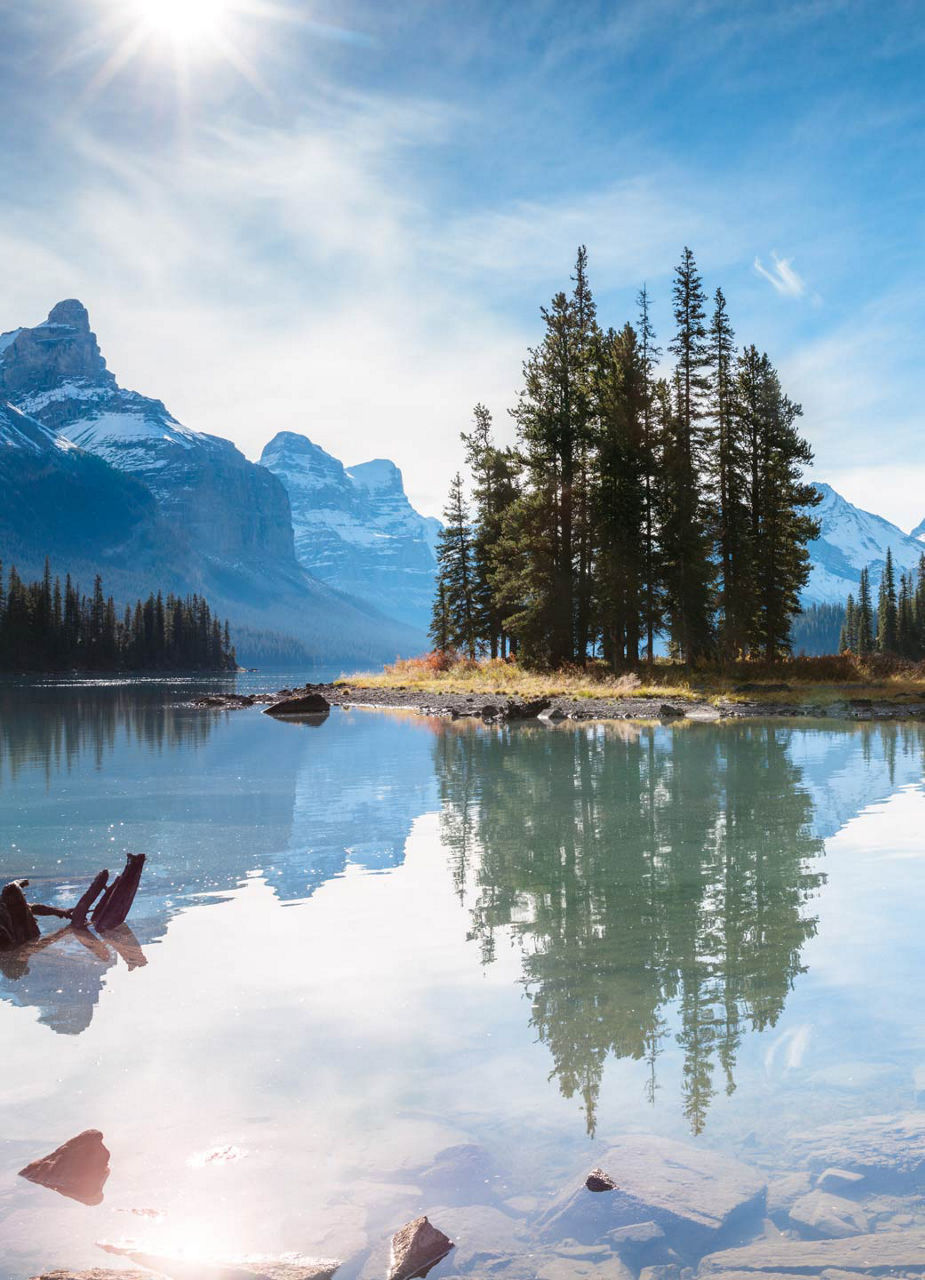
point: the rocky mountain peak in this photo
(380, 475)
(61, 352)
(70, 312)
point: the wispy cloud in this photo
(782, 276)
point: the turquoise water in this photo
(361, 942)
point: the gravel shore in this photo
(503, 708)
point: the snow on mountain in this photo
(355, 528)
(850, 540)
(229, 521)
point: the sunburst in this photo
(182, 32)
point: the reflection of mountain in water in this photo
(664, 875)
(846, 768)
(210, 796)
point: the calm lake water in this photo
(361, 942)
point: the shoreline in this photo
(503, 708)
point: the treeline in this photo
(897, 625)
(46, 628)
(633, 504)
(818, 630)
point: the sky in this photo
(342, 218)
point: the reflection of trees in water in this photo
(58, 724)
(638, 871)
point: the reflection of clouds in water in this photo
(791, 1046)
(63, 973)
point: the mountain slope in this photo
(225, 521)
(59, 501)
(851, 539)
(355, 528)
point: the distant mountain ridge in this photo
(850, 540)
(355, 528)
(213, 521)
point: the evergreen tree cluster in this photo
(897, 625)
(46, 628)
(634, 504)
(818, 629)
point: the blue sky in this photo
(342, 219)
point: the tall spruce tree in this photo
(689, 571)
(620, 498)
(865, 616)
(778, 501)
(553, 417)
(652, 446)
(887, 621)
(494, 489)
(733, 543)
(455, 578)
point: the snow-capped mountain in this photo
(58, 500)
(226, 521)
(355, 528)
(851, 539)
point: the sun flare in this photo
(189, 23)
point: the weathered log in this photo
(116, 902)
(79, 915)
(17, 923)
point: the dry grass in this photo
(809, 680)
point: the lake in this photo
(361, 943)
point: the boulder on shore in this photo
(78, 1169)
(691, 1193)
(305, 704)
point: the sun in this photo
(192, 24)
(188, 35)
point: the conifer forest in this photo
(643, 498)
(44, 627)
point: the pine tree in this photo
(652, 442)
(689, 572)
(865, 617)
(777, 501)
(454, 572)
(494, 488)
(886, 608)
(619, 508)
(734, 548)
(848, 641)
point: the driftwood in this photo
(18, 917)
(117, 899)
(17, 923)
(79, 914)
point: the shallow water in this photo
(361, 942)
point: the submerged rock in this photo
(416, 1247)
(884, 1148)
(78, 1169)
(96, 1273)
(463, 1174)
(691, 1193)
(826, 1215)
(285, 1267)
(890, 1252)
(785, 1190)
(839, 1180)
